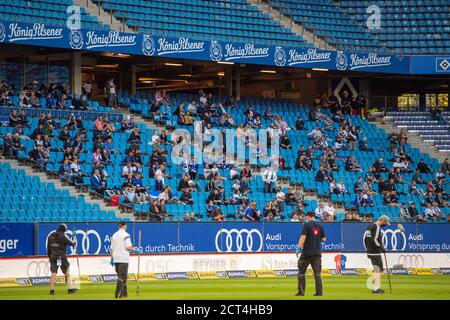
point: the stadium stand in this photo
(47, 11)
(330, 153)
(378, 145)
(408, 27)
(432, 126)
(328, 21)
(27, 199)
(232, 20)
(326, 153)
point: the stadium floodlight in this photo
(225, 62)
(171, 64)
(112, 66)
(221, 74)
(268, 71)
(320, 69)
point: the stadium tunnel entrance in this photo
(23, 64)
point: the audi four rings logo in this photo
(90, 241)
(236, 240)
(38, 269)
(411, 260)
(394, 240)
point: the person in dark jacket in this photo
(373, 241)
(423, 167)
(56, 251)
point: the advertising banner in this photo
(39, 34)
(430, 65)
(36, 271)
(225, 237)
(16, 239)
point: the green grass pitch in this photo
(430, 287)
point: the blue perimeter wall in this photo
(28, 239)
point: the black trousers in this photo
(122, 274)
(316, 264)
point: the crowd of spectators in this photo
(205, 108)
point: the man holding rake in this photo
(121, 248)
(373, 240)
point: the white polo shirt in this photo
(119, 242)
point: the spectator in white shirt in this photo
(334, 187)
(319, 211)
(281, 198)
(236, 185)
(215, 170)
(130, 194)
(329, 212)
(437, 211)
(404, 213)
(315, 134)
(77, 175)
(192, 108)
(160, 174)
(203, 99)
(269, 178)
(155, 138)
(341, 187)
(429, 212)
(234, 173)
(129, 168)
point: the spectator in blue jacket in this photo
(97, 183)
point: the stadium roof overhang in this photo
(178, 74)
(42, 35)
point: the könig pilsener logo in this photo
(76, 39)
(148, 45)
(215, 51)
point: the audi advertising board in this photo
(16, 239)
(94, 238)
(416, 238)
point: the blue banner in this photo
(204, 237)
(16, 239)
(430, 65)
(39, 34)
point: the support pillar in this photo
(76, 73)
(237, 79)
(229, 81)
(133, 79)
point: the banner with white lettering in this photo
(44, 35)
(225, 237)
